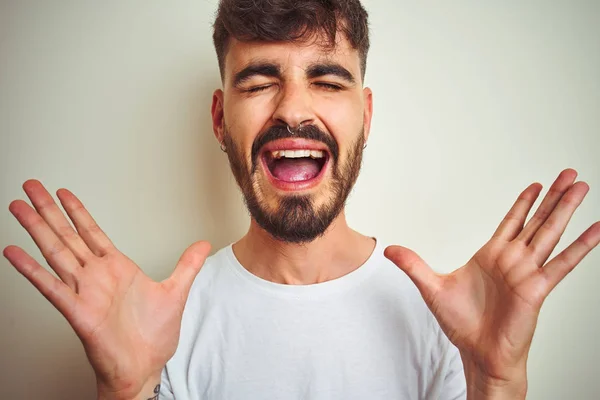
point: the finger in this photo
(426, 280)
(514, 220)
(549, 234)
(187, 268)
(57, 292)
(59, 257)
(88, 229)
(562, 183)
(54, 217)
(560, 266)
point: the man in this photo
(302, 306)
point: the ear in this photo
(217, 115)
(368, 111)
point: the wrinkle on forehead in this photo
(300, 54)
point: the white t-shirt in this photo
(366, 335)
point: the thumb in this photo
(426, 280)
(188, 266)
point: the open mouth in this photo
(295, 168)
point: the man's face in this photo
(295, 181)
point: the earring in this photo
(223, 148)
(365, 146)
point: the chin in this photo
(295, 217)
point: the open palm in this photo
(489, 307)
(128, 324)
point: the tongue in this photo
(295, 169)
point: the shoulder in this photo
(389, 277)
(407, 305)
(423, 328)
(215, 270)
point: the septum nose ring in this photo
(293, 131)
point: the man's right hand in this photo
(129, 325)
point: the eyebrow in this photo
(318, 70)
(274, 71)
(261, 68)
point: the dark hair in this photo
(291, 20)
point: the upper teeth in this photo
(297, 153)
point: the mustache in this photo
(310, 132)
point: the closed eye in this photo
(258, 88)
(329, 86)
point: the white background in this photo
(472, 103)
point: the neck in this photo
(338, 252)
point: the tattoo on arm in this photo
(156, 391)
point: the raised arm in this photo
(129, 325)
(489, 307)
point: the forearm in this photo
(480, 386)
(146, 391)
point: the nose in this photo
(294, 106)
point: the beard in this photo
(297, 219)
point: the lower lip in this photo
(295, 186)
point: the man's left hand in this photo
(489, 307)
